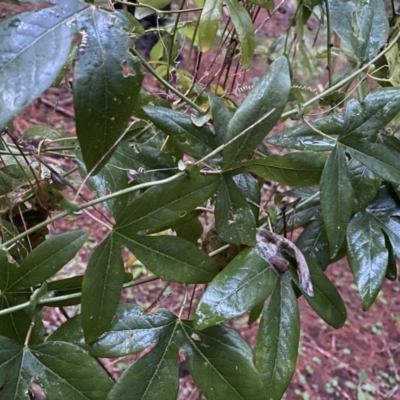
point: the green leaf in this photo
(278, 339)
(234, 220)
(46, 259)
(130, 332)
(314, 241)
(375, 157)
(142, 12)
(147, 162)
(110, 179)
(209, 23)
(364, 28)
(14, 325)
(383, 210)
(250, 189)
(364, 182)
(391, 271)
(368, 256)
(302, 137)
(269, 95)
(246, 281)
(154, 376)
(255, 312)
(33, 48)
(190, 231)
(169, 257)
(326, 301)
(268, 4)
(101, 288)
(162, 206)
(244, 28)
(64, 370)
(221, 115)
(107, 80)
(336, 198)
(293, 169)
(221, 363)
(191, 139)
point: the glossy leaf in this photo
(391, 271)
(221, 363)
(294, 169)
(14, 325)
(130, 332)
(159, 207)
(191, 139)
(250, 189)
(314, 241)
(145, 161)
(101, 288)
(110, 179)
(221, 116)
(169, 257)
(384, 210)
(190, 231)
(104, 99)
(376, 158)
(234, 220)
(278, 339)
(154, 376)
(244, 28)
(326, 301)
(336, 198)
(364, 182)
(45, 260)
(269, 95)
(246, 281)
(209, 23)
(368, 256)
(62, 369)
(34, 46)
(363, 28)
(302, 137)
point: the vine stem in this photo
(156, 10)
(329, 42)
(71, 296)
(167, 84)
(89, 204)
(348, 79)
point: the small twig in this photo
(58, 108)
(218, 149)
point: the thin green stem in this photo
(157, 11)
(167, 84)
(344, 81)
(329, 42)
(171, 47)
(89, 204)
(71, 296)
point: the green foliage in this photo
(166, 169)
